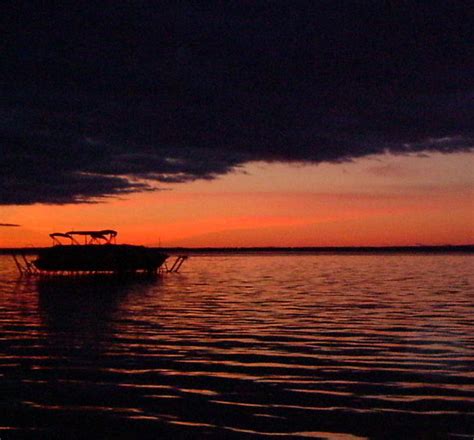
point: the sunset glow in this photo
(378, 201)
(254, 124)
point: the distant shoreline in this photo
(465, 249)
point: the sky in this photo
(265, 123)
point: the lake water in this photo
(259, 346)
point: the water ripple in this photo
(328, 346)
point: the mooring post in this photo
(178, 263)
(28, 266)
(18, 265)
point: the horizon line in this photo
(254, 249)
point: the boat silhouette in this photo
(78, 252)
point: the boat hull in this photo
(100, 258)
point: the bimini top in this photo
(105, 236)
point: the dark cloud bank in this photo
(102, 99)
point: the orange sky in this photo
(381, 200)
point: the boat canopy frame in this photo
(104, 236)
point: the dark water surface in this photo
(284, 346)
